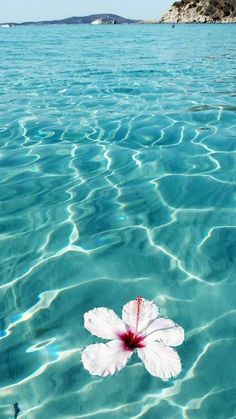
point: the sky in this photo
(25, 10)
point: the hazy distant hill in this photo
(105, 18)
(188, 11)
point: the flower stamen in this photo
(139, 301)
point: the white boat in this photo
(5, 25)
(97, 22)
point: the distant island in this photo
(201, 11)
(104, 18)
(183, 11)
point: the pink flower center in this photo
(131, 341)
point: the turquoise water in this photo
(118, 175)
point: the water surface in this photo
(118, 152)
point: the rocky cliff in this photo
(202, 11)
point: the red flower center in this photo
(131, 341)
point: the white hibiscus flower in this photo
(141, 329)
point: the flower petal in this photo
(160, 360)
(139, 313)
(103, 323)
(165, 331)
(105, 358)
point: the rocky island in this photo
(201, 11)
(182, 11)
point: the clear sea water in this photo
(118, 174)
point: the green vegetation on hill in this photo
(215, 8)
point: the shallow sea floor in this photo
(118, 175)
